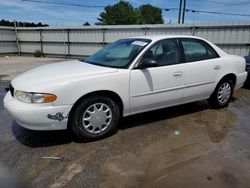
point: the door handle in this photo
(177, 74)
(216, 67)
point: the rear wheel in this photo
(95, 117)
(222, 94)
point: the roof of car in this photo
(155, 38)
(159, 37)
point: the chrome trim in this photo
(171, 89)
(199, 84)
(158, 91)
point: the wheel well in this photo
(112, 95)
(231, 77)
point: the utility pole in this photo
(183, 12)
(179, 18)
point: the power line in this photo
(66, 4)
(223, 3)
(219, 4)
(208, 12)
(166, 9)
(214, 12)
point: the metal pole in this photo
(64, 43)
(103, 36)
(68, 41)
(179, 18)
(145, 30)
(17, 39)
(183, 12)
(41, 42)
(193, 30)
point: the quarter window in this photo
(197, 50)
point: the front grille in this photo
(11, 90)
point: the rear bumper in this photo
(37, 116)
(241, 78)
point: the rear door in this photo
(202, 67)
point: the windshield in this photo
(118, 54)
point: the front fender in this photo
(115, 82)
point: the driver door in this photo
(161, 86)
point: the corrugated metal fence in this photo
(7, 40)
(234, 38)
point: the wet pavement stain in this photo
(157, 160)
(211, 149)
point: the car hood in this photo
(57, 73)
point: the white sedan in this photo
(129, 76)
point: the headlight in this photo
(30, 97)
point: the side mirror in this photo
(146, 63)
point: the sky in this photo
(59, 15)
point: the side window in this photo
(196, 50)
(157, 49)
(164, 52)
(211, 53)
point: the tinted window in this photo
(197, 50)
(164, 52)
(118, 54)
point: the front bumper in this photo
(37, 116)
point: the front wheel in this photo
(222, 94)
(95, 117)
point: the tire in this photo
(222, 94)
(95, 117)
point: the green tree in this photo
(21, 24)
(122, 13)
(151, 14)
(86, 24)
(139, 17)
(6, 23)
